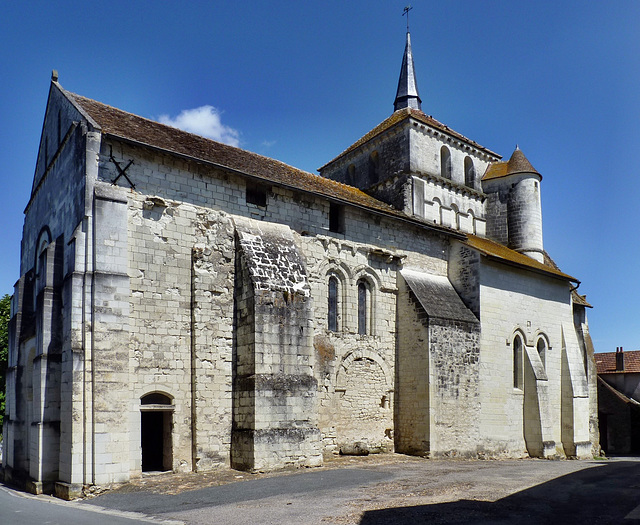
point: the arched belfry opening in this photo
(156, 424)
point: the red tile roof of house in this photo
(606, 362)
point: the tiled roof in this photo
(578, 299)
(616, 392)
(606, 362)
(502, 253)
(118, 123)
(518, 163)
(401, 115)
(437, 296)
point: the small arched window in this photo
(445, 162)
(362, 307)
(469, 173)
(332, 320)
(517, 362)
(542, 350)
(456, 216)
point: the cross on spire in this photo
(406, 12)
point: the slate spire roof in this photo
(407, 95)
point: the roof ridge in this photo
(401, 115)
(157, 123)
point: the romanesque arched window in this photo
(445, 162)
(469, 173)
(363, 314)
(517, 362)
(332, 320)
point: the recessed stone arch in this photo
(364, 403)
(365, 353)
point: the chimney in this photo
(619, 359)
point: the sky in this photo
(301, 81)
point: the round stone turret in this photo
(524, 211)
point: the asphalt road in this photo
(18, 508)
(427, 491)
(390, 493)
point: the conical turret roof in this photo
(407, 95)
(518, 163)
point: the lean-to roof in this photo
(501, 253)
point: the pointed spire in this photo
(407, 95)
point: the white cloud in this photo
(204, 121)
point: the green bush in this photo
(5, 306)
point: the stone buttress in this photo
(274, 390)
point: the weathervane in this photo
(406, 12)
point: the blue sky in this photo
(301, 81)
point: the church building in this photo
(185, 305)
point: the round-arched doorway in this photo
(156, 424)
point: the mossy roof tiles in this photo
(502, 253)
(124, 125)
(518, 163)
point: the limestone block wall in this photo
(439, 202)
(374, 161)
(514, 302)
(110, 338)
(414, 412)
(213, 274)
(514, 213)
(464, 275)
(56, 207)
(354, 410)
(454, 352)
(275, 412)
(426, 144)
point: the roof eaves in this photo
(517, 259)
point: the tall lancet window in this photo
(469, 173)
(517, 362)
(362, 308)
(333, 304)
(445, 162)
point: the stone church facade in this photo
(185, 305)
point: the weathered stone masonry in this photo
(174, 309)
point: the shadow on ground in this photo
(606, 494)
